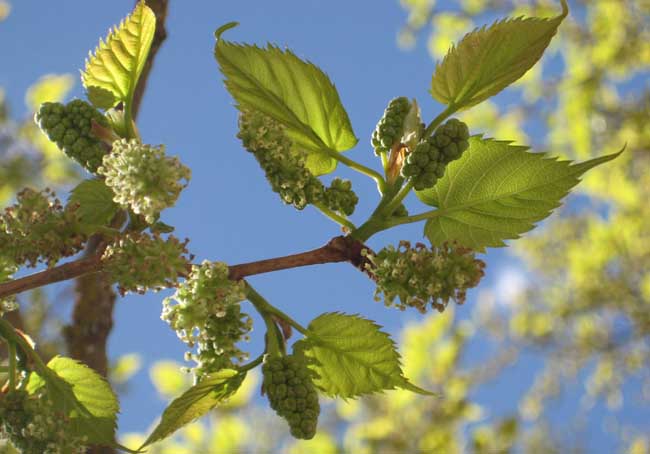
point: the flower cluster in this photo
(340, 197)
(143, 178)
(283, 164)
(390, 127)
(139, 262)
(34, 426)
(417, 275)
(205, 311)
(38, 228)
(430, 157)
(70, 127)
(292, 394)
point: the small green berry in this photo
(292, 394)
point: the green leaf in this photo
(83, 395)
(407, 385)
(197, 401)
(294, 92)
(350, 355)
(95, 199)
(112, 73)
(487, 60)
(497, 191)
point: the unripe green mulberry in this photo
(428, 161)
(283, 164)
(35, 426)
(139, 262)
(38, 228)
(205, 311)
(292, 394)
(69, 126)
(143, 178)
(420, 275)
(390, 128)
(340, 197)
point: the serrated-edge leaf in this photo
(489, 59)
(350, 355)
(407, 385)
(118, 61)
(498, 191)
(294, 92)
(196, 401)
(84, 395)
(95, 199)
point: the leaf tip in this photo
(219, 31)
(565, 9)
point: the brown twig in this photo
(70, 270)
(338, 249)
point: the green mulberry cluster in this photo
(34, 426)
(418, 275)
(390, 128)
(205, 311)
(38, 228)
(143, 178)
(292, 394)
(340, 197)
(139, 262)
(428, 160)
(283, 164)
(70, 127)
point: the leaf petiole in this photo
(354, 165)
(335, 217)
(252, 365)
(451, 109)
(403, 192)
(12, 365)
(266, 308)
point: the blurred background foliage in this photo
(583, 317)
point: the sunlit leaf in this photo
(292, 91)
(82, 395)
(489, 59)
(196, 401)
(111, 74)
(351, 356)
(497, 191)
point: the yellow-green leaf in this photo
(112, 73)
(351, 356)
(497, 191)
(83, 395)
(197, 401)
(294, 92)
(489, 59)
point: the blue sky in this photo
(228, 212)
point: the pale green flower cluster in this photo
(35, 426)
(419, 275)
(285, 166)
(139, 262)
(143, 178)
(205, 312)
(37, 228)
